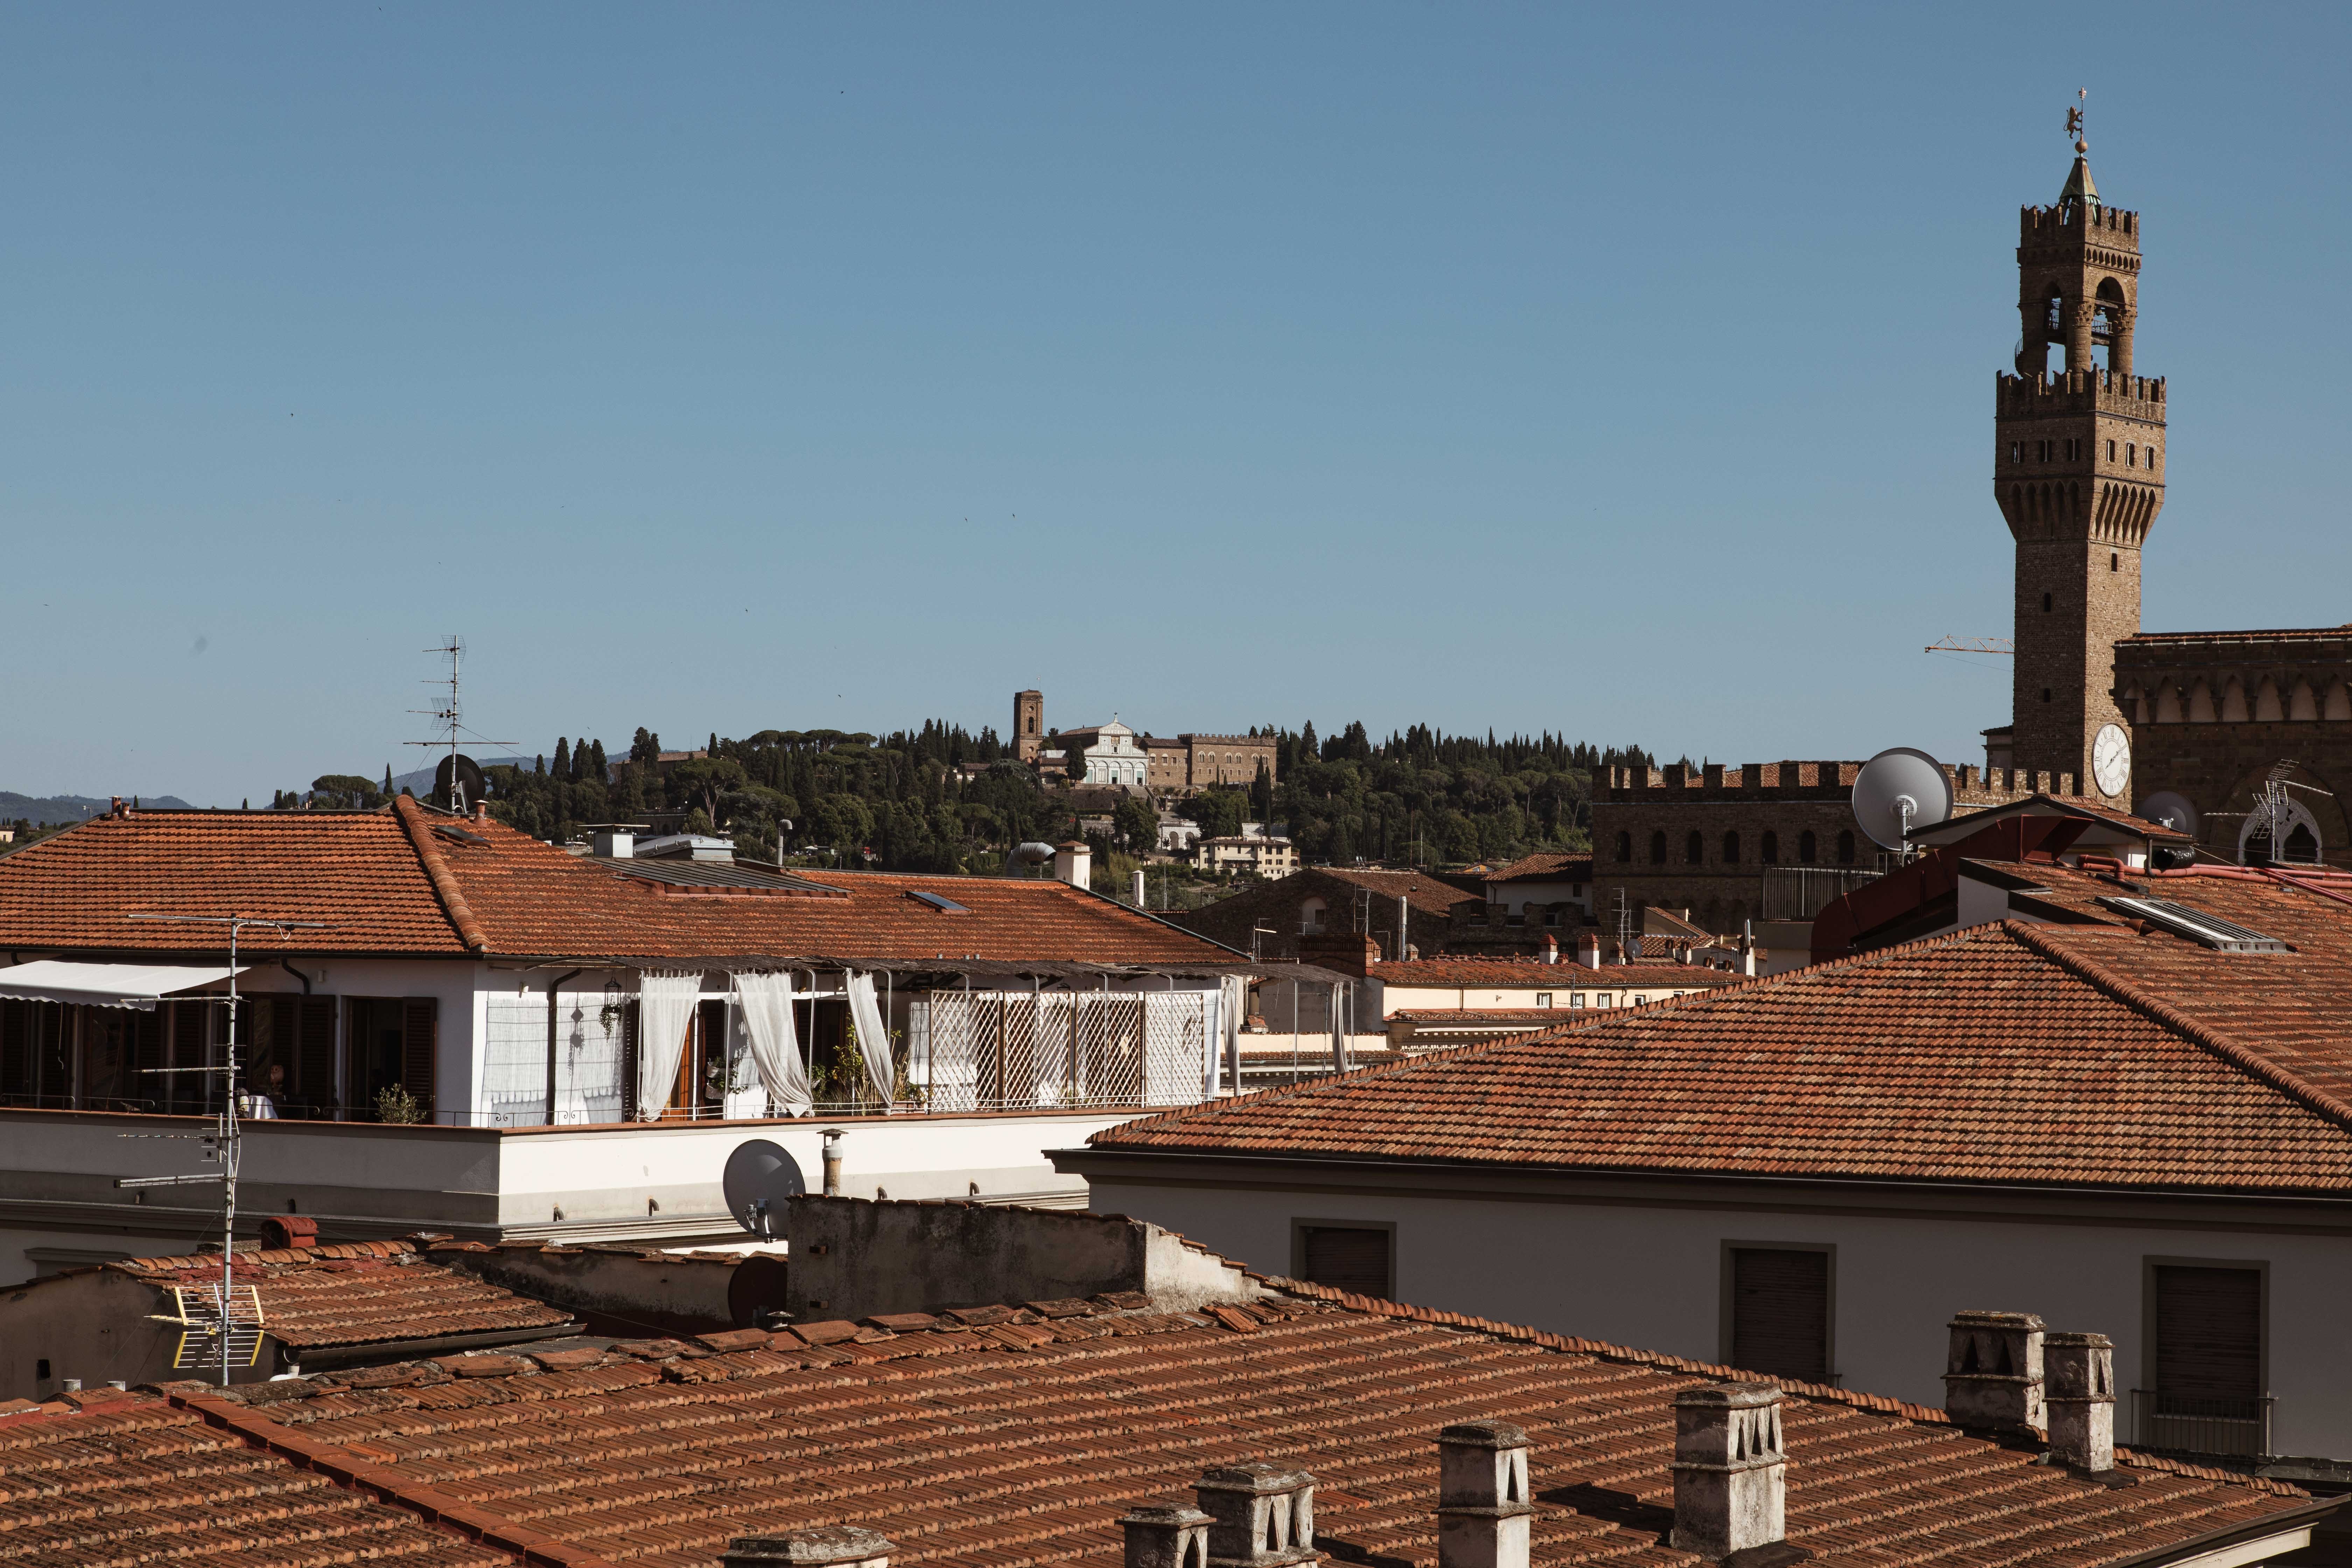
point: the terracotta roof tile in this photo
(983, 1454)
(2008, 1052)
(1545, 867)
(1528, 973)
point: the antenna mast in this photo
(450, 720)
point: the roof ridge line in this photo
(2118, 989)
(436, 871)
(352, 1470)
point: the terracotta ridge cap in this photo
(354, 1471)
(437, 870)
(2118, 989)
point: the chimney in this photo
(1992, 1380)
(1166, 1535)
(2082, 1400)
(1260, 1515)
(1550, 948)
(1139, 886)
(829, 1546)
(613, 843)
(1588, 949)
(1482, 1496)
(1730, 1476)
(481, 811)
(1074, 863)
(282, 1231)
(116, 809)
(832, 1161)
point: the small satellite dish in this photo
(1899, 791)
(2172, 809)
(760, 1177)
(467, 777)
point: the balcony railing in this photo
(2184, 1423)
(1800, 892)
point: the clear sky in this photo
(1625, 372)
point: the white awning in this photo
(137, 985)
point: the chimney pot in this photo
(1550, 948)
(281, 1231)
(1731, 1475)
(1482, 1496)
(1992, 1374)
(2080, 1397)
(828, 1546)
(1588, 949)
(1261, 1515)
(1173, 1534)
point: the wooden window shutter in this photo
(1781, 1313)
(16, 1047)
(1347, 1259)
(315, 1051)
(2209, 1333)
(418, 1016)
(629, 1062)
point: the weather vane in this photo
(2074, 119)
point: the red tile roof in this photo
(1021, 1442)
(2009, 1052)
(1545, 867)
(355, 1293)
(405, 880)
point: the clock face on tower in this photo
(2111, 759)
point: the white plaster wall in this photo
(1651, 1278)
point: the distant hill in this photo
(73, 808)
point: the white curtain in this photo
(1338, 1034)
(1233, 999)
(665, 1012)
(767, 1004)
(873, 1039)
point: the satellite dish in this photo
(760, 1177)
(1899, 791)
(2172, 809)
(462, 771)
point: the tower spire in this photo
(2079, 187)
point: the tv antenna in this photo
(1899, 790)
(2273, 809)
(457, 783)
(1972, 644)
(235, 1335)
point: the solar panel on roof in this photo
(2212, 931)
(945, 905)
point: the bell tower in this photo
(2078, 470)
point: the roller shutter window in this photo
(2208, 1340)
(417, 1018)
(1781, 1313)
(314, 1071)
(1347, 1259)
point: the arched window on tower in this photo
(1808, 850)
(1693, 850)
(1731, 847)
(1771, 847)
(1625, 848)
(1658, 848)
(1845, 847)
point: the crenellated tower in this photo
(2078, 469)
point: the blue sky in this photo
(1623, 372)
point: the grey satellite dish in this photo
(1899, 791)
(759, 1178)
(467, 777)
(2172, 809)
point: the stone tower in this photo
(2078, 467)
(1028, 724)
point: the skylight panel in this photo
(2184, 920)
(945, 905)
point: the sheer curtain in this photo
(873, 1039)
(1232, 1000)
(767, 1004)
(665, 1009)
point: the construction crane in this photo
(1972, 644)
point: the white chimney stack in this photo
(1140, 892)
(830, 1546)
(614, 843)
(1731, 1475)
(1588, 949)
(1260, 1515)
(1550, 948)
(1074, 863)
(1992, 1375)
(1482, 1496)
(1166, 1535)
(2081, 1400)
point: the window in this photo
(1776, 1312)
(1625, 846)
(2017, 451)
(390, 1042)
(2045, 694)
(1543, 998)
(1731, 848)
(2046, 604)
(1845, 847)
(2131, 454)
(1807, 850)
(1694, 848)
(1604, 999)
(1576, 998)
(2111, 451)
(2206, 1358)
(2114, 561)
(1359, 1257)
(1658, 848)
(1770, 850)
(1310, 918)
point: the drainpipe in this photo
(552, 987)
(297, 974)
